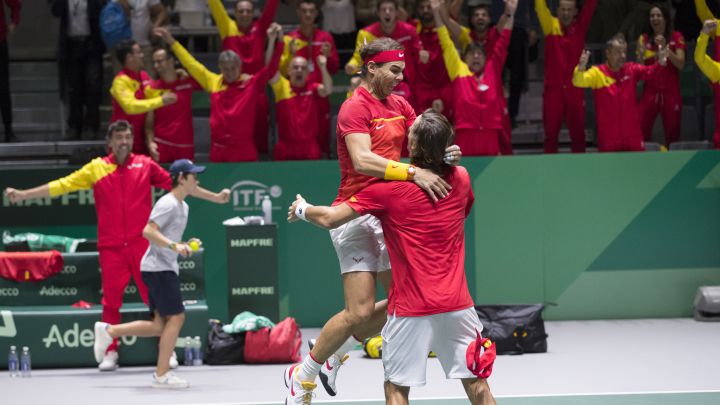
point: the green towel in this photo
(38, 242)
(247, 321)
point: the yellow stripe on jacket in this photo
(704, 13)
(363, 37)
(298, 44)
(227, 27)
(282, 89)
(83, 178)
(123, 91)
(211, 82)
(592, 78)
(549, 24)
(709, 67)
(454, 65)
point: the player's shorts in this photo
(360, 245)
(406, 342)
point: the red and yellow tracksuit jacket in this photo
(704, 13)
(297, 120)
(232, 107)
(563, 46)
(661, 95)
(616, 107)
(122, 194)
(250, 46)
(310, 50)
(130, 103)
(173, 125)
(468, 36)
(481, 107)
(711, 69)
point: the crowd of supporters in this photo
(467, 59)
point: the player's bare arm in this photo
(322, 216)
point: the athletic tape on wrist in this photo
(301, 209)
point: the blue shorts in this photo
(163, 292)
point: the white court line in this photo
(332, 401)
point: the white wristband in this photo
(301, 209)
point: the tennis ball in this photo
(194, 245)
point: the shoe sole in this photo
(286, 378)
(323, 377)
(169, 387)
(108, 369)
(324, 381)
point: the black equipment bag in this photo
(224, 348)
(515, 329)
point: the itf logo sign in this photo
(247, 195)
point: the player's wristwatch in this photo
(411, 172)
(172, 246)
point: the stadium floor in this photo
(624, 362)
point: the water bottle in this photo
(188, 351)
(25, 363)
(13, 365)
(267, 210)
(197, 352)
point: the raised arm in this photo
(208, 80)
(587, 78)
(545, 17)
(586, 15)
(709, 67)
(81, 179)
(322, 216)
(454, 65)
(226, 26)
(222, 197)
(355, 62)
(268, 15)
(704, 13)
(326, 88)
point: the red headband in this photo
(387, 56)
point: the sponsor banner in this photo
(62, 336)
(80, 279)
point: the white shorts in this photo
(360, 245)
(406, 342)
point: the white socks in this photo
(347, 346)
(309, 369)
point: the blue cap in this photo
(185, 166)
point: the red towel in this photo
(30, 266)
(480, 356)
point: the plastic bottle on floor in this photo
(188, 351)
(13, 362)
(197, 352)
(25, 363)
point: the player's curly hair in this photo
(433, 134)
(375, 47)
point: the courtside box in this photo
(253, 270)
